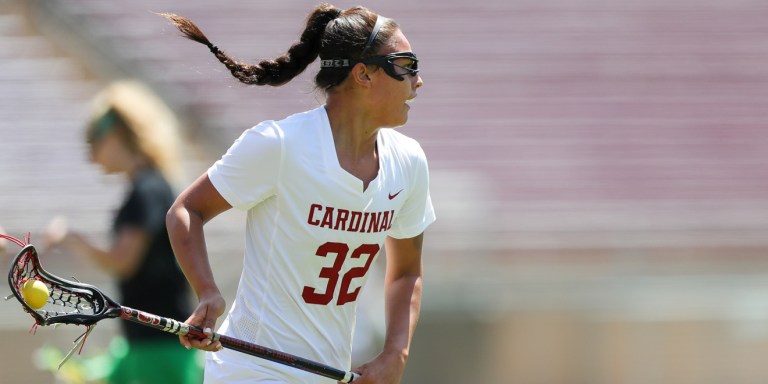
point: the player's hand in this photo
(209, 309)
(386, 368)
(55, 232)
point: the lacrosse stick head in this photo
(69, 302)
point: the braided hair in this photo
(329, 32)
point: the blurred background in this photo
(599, 170)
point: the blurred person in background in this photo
(324, 190)
(131, 132)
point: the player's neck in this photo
(355, 142)
(354, 134)
(135, 166)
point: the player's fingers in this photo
(357, 379)
(55, 231)
(184, 340)
(211, 345)
(208, 332)
(360, 374)
(196, 320)
(206, 343)
(194, 342)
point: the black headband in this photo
(374, 33)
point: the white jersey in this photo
(312, 233)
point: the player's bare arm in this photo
(122, 258)
(403, 303)
(194, 207)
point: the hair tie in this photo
(214, 49)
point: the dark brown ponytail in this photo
(329, 33)
(276, 71)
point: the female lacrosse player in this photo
(132, 133)
(324, 190)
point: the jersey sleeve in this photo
(248, 173)
(417, 212)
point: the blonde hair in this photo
(152, 123)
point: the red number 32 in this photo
(310, 294)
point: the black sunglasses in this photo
(386, 62)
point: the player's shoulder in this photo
(298, 127)
(151, 181)
(401, 144)
(303, 120)
(288, 124)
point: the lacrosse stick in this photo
(71, 302)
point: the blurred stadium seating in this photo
(599, 168)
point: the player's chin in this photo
(403, 117)
(394, 123)
(399, 118)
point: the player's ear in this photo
(361, 75)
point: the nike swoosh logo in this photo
(391, 196)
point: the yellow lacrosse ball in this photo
(35, 293)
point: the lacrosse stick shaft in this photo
(182, 329)
(85, 304)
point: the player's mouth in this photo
(410, 100)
